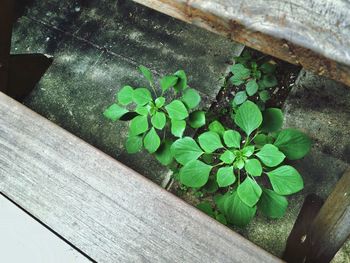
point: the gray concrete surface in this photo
(97, 49)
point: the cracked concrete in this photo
(97, 49)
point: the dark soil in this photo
(286, 75)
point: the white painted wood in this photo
(102, 207)
(23, 239)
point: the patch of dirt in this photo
(286, 75)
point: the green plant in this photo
(256, 78)
(244, 168)
(152, 117)
(240, 170)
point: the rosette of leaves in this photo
(152, 116)
(257, 79)
(247, 165)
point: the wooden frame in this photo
(102, 207)
(110, 212)
(314, 34)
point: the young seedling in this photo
(153, 117)
(247, 165)
(242, 170)
(256, 78)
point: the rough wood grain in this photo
(331, 227)
(296, 247)
(102, 207)
(314, 34)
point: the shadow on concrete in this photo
(25, 72)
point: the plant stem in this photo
(239, 177)
(153, 88)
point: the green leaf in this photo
(269, 81)
(217, 127)
(261, 85)
(249, 192)
(197, 119)
(158, 120)
(252, 87)
(241, 71)
(239, 164)
(225, 176)
(206, 208)
(125, 95)
(272, 205)
(227, 157)
(195, 174)
(167, 82)
(268, 68)
(114, 112)
(182, 81)
(210, 141)
(191, 98)
(185, 150)
(221, 219)
(147, 73)
(272, 120)
(134, 144)
(248, 150)
(270, 155)
(248, 117)
(159, 102)
(262, 139)
(237, 212)
(253, 167)
(293, 143)
(220, 199)
(151, 141)
(178, 127)
(177, 110)
(236, 80)
(138, 125)
(142, 110)
(240, 97)
(163, 154)
(232, 138)
(256, 74)
(264, 95)
(286, 180)
(141, 96)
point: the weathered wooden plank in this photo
(314, 34)
(331, 227)
(108, 211)
(296, 248)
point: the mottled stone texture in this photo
(97, 47)
(321, 108)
